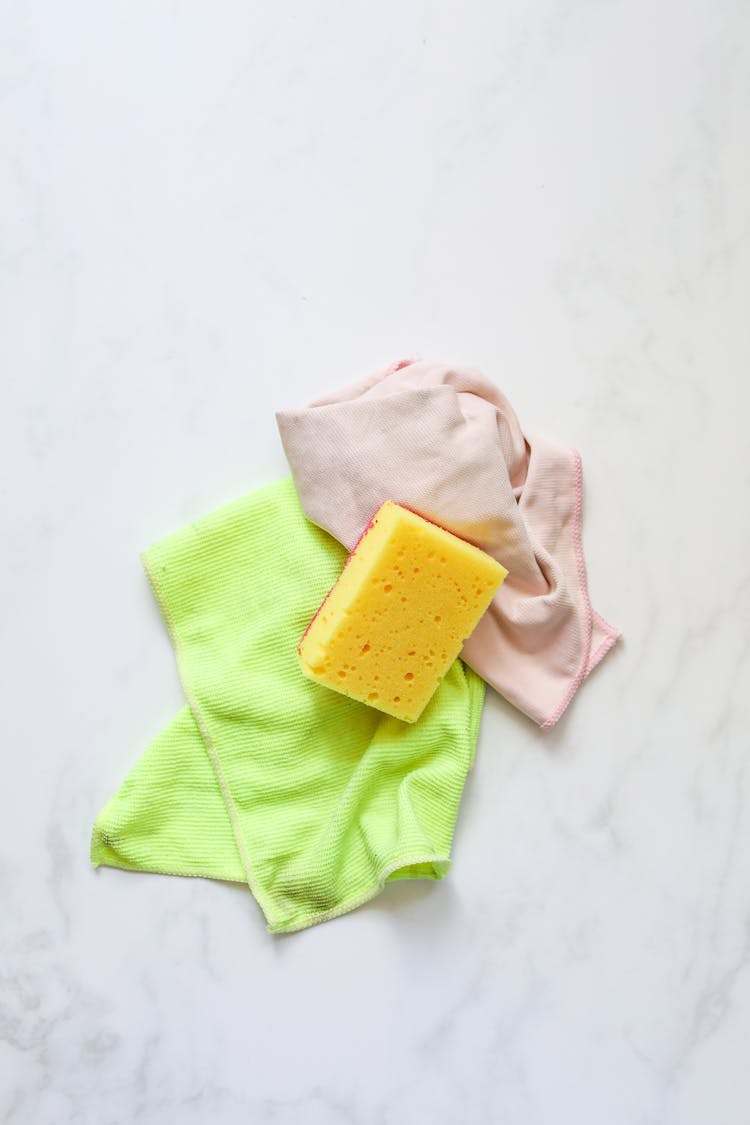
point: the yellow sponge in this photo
(409, 595)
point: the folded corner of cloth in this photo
(312, 799)
(446, 442)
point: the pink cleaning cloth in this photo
(445, 442)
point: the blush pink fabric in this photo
(445, 442)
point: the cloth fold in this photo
(446, 442)
(312, 799)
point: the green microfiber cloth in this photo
(311, 798)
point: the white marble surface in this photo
(209, 210)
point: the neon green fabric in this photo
(311, 798)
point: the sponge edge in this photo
(396, 619)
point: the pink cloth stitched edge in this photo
(446, 442)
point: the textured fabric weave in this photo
(313, 799)
(445, 442)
